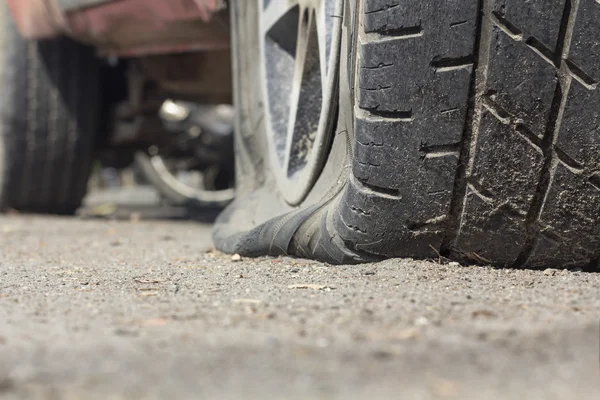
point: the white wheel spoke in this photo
(300, 53)
(321, 23)
(304, 28)
(275, 10)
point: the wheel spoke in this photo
(322, 24)
(299, 42)
(274, 11)
(304, 28)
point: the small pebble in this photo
(549, 272)
(126, 332)
(236, 257)
(135, 217)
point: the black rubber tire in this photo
(474, 129)
(48, 122)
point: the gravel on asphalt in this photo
(146, 309)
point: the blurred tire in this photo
(49, 108)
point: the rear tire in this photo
(48, 122)
(473, 134)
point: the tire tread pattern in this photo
(476, 132)
(49, 121)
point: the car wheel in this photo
(49, 117)
(426, 129)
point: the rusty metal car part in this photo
(184, 149)
(204, 77)
(70, 5)
(128, 27)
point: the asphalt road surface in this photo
(142, 308)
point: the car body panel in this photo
(128, 27)
(68, 5)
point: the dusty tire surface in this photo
(473, 134)
(49, 118)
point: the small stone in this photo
(6, 385)
(444, 388)
(311, 286)
(454, 264)
(382, 355)
(236, 257)
(550, 272)
(247, 301)
(135, 217)
(126, 332)
(421, 321)
(483, 314)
